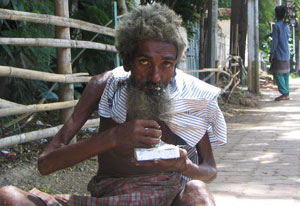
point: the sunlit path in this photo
(260, 165)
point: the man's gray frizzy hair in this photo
(150, 22)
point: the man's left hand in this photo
(177, 164)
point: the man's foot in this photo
(282, 97)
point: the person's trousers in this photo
(282, 81)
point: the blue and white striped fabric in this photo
(195, 104)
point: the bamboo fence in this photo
(6, 104)
(54, 20)
(40, 134)
(58, 43)
(223, 68)
(6, 71)
(8, 108)
(37, 108)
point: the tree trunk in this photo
(253, 47)
(202, 41)
(122, 9)
(212, 37)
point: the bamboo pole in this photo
(31, 114)
(7, 104)
(207, 70)
(43, 133)
(54, 20)
(7, 71)
(37, 108)
(231, 81)
(58, 43)
(64, 66)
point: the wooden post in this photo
(122, 8)
(253, 47)
(66, 91)
(298, 59)
(212, 36)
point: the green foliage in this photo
(4, 3)
(190, 10)
(266, 16)
(44, 58)
(293, 76)
(224, 3)
(36, 58)
(94, 61)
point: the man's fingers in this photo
(149, 124)
(148, 142)
(150, 132)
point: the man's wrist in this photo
(184, 168)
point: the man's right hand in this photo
(137, 134)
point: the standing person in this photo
(280, 54)
(145, 101)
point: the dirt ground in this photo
(21, 169)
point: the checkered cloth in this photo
(136, 191)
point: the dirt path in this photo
(260, 164)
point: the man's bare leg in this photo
(195, 193)
(13, 196)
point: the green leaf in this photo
(77, 94)
(7, 49)
(42, 86)
(49, 96)
(78, 85)
(18, 5)
(36, 11)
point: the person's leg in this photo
(195, 193)
(13, 196)
(281, 83)
(287, 82)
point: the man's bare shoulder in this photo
(99, 79)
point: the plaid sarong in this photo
(136, 191)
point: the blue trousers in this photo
(282, 81)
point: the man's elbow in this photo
(42, 165)
(212, 176)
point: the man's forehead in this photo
(142, 54)
(149, 48)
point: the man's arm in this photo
(207, 170)
(274, 42)
(87, 103)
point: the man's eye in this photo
(144, 62)
(167, 64)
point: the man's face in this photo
(153, 65)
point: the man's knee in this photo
(6, 195)
(12, 196)
(196, 193)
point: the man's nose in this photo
(155, 75)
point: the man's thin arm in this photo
(83, 110)
(206, 171)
